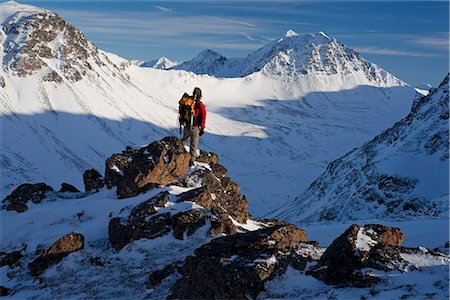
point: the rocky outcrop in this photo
(93, 180)
(235, 267)
(187, 222)
(69, 243)
(357, 248)
(18, 199)
(156, 277)
(4, 291)
(65, 187)
(159, 163)
(10, 259)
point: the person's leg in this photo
(186, 135)
(195, 136)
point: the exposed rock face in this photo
(65, 187)
(18, 199)
(61, 248)
(159, 163)
(188, 221)
(235, 267)
(218, 194)
(93, 180)
(358, 247)
(47, 37)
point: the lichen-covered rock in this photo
(237, 266)
(69, 243)
(159, 163)
(18, 199)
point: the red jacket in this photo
(200, 114)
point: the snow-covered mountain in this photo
(67, 105)
(401, 173)
(291, 57)
(162, 63)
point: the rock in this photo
(159, 163)
(18, 199)
(222, 224)
(161, 199)
(158, 276)
(69, 243)
(93, 180)
(237, 266)
(447, 245)
(138, 226)
(4, 291)
(188, 221)
(218, 170)
(358, 247)
(11, 258)
(207, 158)
(218, 195)
(65, 187)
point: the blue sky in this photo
(407, 38)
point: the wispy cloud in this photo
(388, 51)
(247, 36)
(162, 8)
(433, 42)
(232, 21)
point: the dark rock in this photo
(158, 276)
(119, 234)
(4, 291)
(69, 243)
(93, 180)
(222, 224)
(18, 199)
(447, 245)
(11, 258)
(138, 227)
(358, 247)
(188, 221)
(65, 187)
(161, 199)
(159, 163)
(237, 266)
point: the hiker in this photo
(192, 116)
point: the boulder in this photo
(138, 225)
(11, 258)
(69, 243)
(18, 199)
(188, 221)
(135, 171)
(93, 180)
(237, 266)
(357, 248)
(207, 158)
(4, 291)
(65, 187)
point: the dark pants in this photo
(194, 135)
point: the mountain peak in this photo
(10, 8)
(290, 33)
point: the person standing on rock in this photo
(192, 116)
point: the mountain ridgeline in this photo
(401, 173)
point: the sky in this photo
(410, 39)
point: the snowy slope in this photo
(62, 114)
(403, 172)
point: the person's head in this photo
(197, 94)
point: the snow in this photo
(271, 260)
(363, 241)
